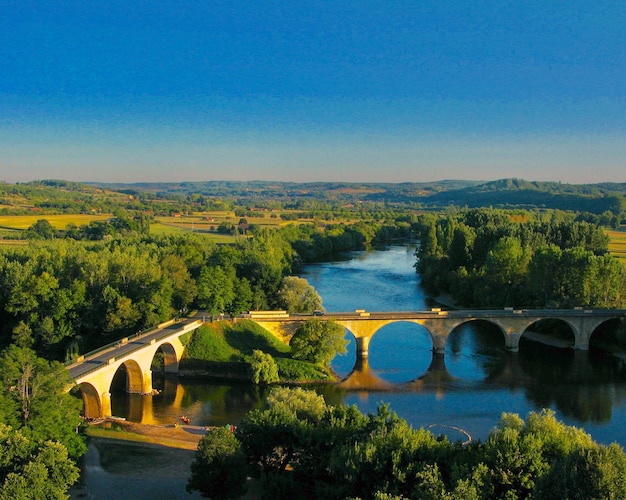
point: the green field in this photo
(21, 222)
(617, 244)
(205, 223)
(208, 222)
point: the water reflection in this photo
(475, 350)
(584, 386)
(590, 382)
(363, 378)
(400, 352)
(468, 387)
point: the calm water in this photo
(469, 387)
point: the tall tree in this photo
(297, 296)
(318, 341)
(215, 290)
(34, 398)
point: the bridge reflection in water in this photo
(583, 392)
(583, 385)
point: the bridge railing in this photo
(123, 341)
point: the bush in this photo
(219, 469)
(263, 368)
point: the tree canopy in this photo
(31, 470)
(500, 258)
(318, 341)
(297, 296)
(300, 447)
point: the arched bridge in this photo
(94, 373)
(439, 324)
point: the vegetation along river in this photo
(469, 388)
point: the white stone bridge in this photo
(95, 371)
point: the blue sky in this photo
(380, 91)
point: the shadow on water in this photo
(123, 470)
(590, 382)
(475, 351)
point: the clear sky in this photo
(298, 90)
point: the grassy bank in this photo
(223, 349)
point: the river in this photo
(468, 388)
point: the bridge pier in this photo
(582, 344)
(439, 344)
(147, 382)
(362, 347)
(511, 342)
(105, 405)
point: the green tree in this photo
(41, 230)
(297, 296)
(318, 341)
(243, 298)
(263, 367)
(273, 438)
(35, 400)
(219, 469)
(593, 472)
(215, 290)
(32, 471)
(183, 286)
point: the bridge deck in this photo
(99, 358)
(455, 313)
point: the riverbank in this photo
(184, 437)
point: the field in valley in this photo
(617, 244)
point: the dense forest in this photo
(65, 297)
(495, 258)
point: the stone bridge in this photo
(94, 373)
(440, 324)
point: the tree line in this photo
(499, 258)
(66, 297)
(298, 446)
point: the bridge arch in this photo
(557, 332)
(494, 330)
(495, 327)
(171, 357)
(92, 403)
(475, 349)
(604, 335)
(403, 343)
(134, 376)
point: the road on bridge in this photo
(101, 357)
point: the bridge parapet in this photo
(439, 324)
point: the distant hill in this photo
(58, 195)
(337, 191)
(508, 193)
(504, 193)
